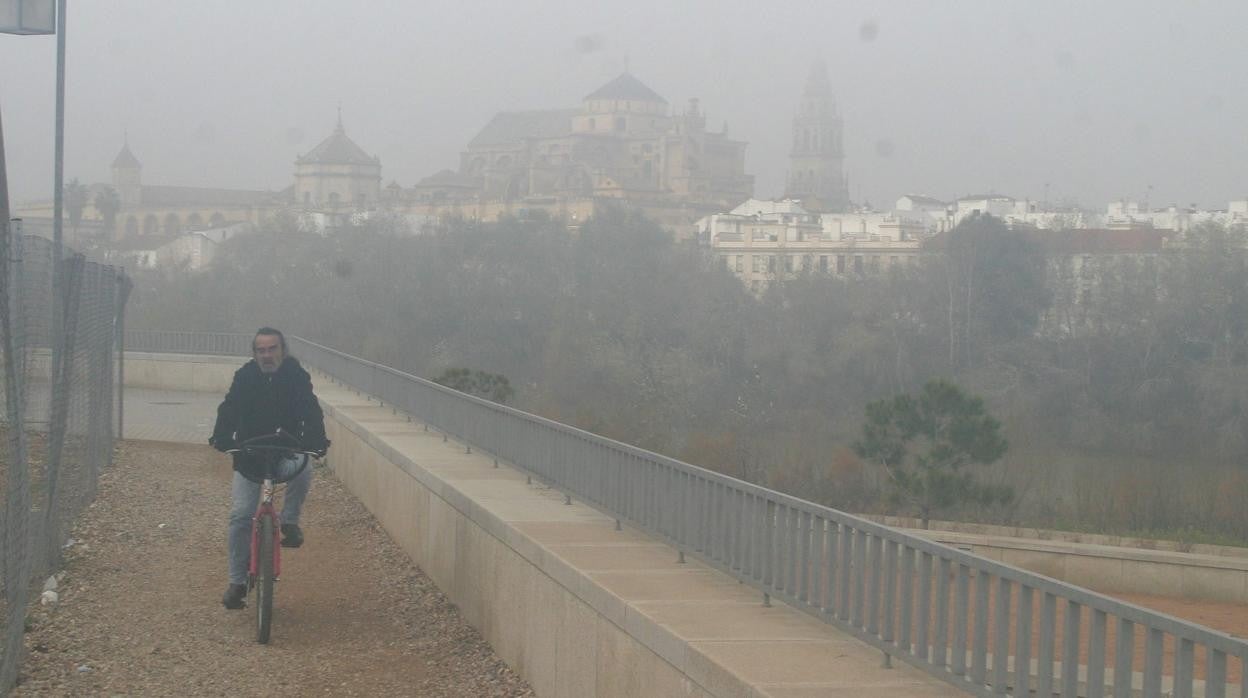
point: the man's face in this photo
(268, 352)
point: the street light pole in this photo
(15, 18)
(58, 268)
(59, 168)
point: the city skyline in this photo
(1059, 102)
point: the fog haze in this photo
(1100, 100)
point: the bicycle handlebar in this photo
(265, 468)
(283, 449)
(251, 445)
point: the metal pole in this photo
(59, 173)
(58, 187)
(122, 296)
(16, 512)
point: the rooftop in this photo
(125, 158)
(626, 87)
(338, 149)
(511, 127)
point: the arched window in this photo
(195, 221)
(173, 224)
(217, 220)
(132, 226)
(151, 224)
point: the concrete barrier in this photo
(177, 372)
(1063, 536)
(1114, 569)
(502, 581)
(576, 606)
(1217, 573)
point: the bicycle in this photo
(268, 464)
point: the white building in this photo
(764, 241)
(895, 226)
(1125, 215)
(191, 251)
(996, 205)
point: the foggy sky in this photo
(1099, 99)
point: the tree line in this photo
(1105, 399)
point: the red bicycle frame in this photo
(265, 508)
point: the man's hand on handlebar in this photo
(224, 444)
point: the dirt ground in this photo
(139, 610)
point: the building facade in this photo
(152, 211)
(336, 177)
(767, 241)
(622, 145)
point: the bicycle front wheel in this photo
(264, 580)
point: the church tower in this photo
(816, 162)
(127, 179)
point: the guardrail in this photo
(985, 627)
(170, 342)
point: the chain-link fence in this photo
(60, 368)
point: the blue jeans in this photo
(246, 496)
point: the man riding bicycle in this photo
(270, 392)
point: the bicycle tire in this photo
(264, 581)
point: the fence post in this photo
(15, 560)
(71, 287)
(124, 288)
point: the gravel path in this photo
(140, 600)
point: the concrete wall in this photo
(1104, 563)
(552, 623)
(1114, 569)
(176, 372)
(1063, 536)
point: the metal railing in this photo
(169, 342)
(985, 627)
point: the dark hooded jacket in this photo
(258, 403)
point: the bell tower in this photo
(127, 176)
(817, 160)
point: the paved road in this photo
(163, 415)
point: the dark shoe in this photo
(235, 597)
(292, 536)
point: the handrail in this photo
(177, 342)
(908, 596)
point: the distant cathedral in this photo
(817, 160)
(624, 142)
